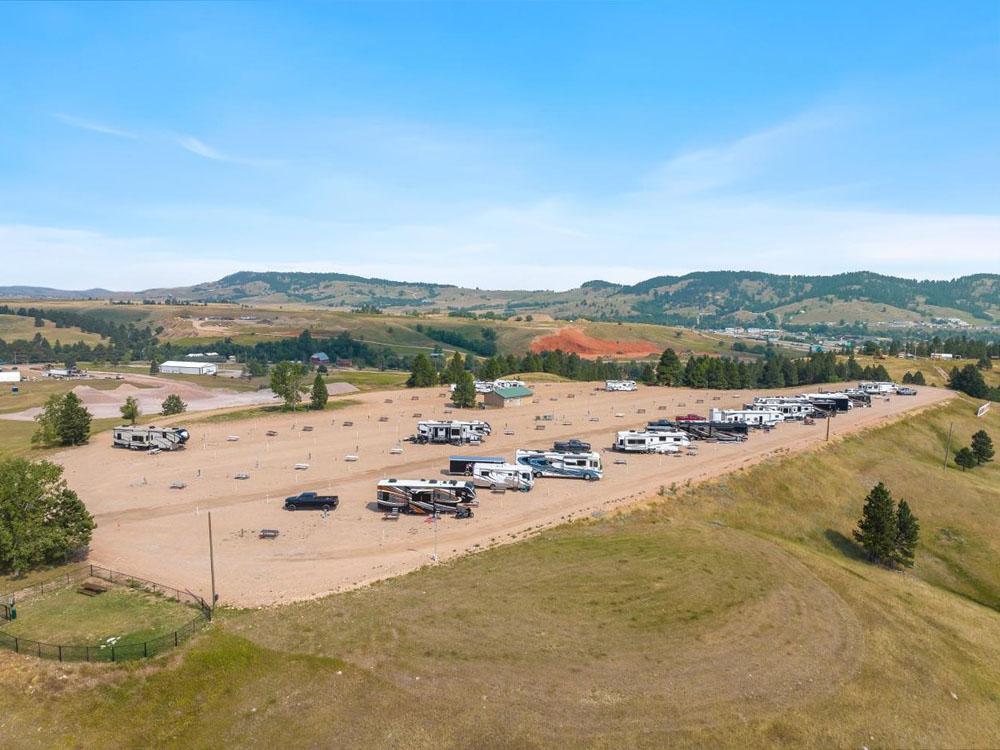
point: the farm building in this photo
(10, 376)
(319, 358)
(189, 368)
(504, 397)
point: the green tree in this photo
(876, 531)
(669, 370)
(966, 459)
(907, 534)
(982, 447)
(286, 382)
(172, 404)
(985, 363)
(464, 396)
(453, 372)
(968, 380)
(918, 378)
(42, 521)
(423, 373)
(154, 366)
(256, 368)
(319, 394)
(64, 420)
(130, 410)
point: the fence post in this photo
(145, 649)
(17, 648)
(60, 653)
(113, 654)
(175, 638)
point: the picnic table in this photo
(91, 588)
(268, 534)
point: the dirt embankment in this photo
(574, 341)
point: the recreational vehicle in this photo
(508, 476)
(651, 441)
(464, 464)
(877, 387)
(703, 429)
(488, 386)
(425, 495)
(830, 401)
(790, 407)
(620, 385)
(555, 464)
(147, 437)
(451, 431)
(749, 417)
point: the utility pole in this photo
(211, 558)
(947, 450)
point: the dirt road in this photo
(146, 528)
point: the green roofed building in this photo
(504, 397)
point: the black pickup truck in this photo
(311, 501)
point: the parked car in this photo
(571, 446)
(311, 501)
(906, 391)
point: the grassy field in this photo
(733, 614)
(13, 327)
(369, 380)
(238, 415)
(929, 367)
(68, 618)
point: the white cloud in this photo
(96, 127)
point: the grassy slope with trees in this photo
(730, 613)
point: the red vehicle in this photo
(689, 418)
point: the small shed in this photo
(504, 397)
(319, 358)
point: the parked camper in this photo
(877, 387)
(463, 464)
(830, 401)
(704, 429)
(146, 437)
(488, 386)
(749, 417)
(651, 441)
(425, 495)
(451, 431)
(620, 385)
(790, 407)
(507, 476)
(555, 464)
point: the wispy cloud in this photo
(199, 147)
(96, 127)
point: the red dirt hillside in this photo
(574, 341)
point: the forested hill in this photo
(710, 297)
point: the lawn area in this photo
(237, 415)
(32, 393)
(13, 327)
(929, 367)
(65, 617)
(369, 380)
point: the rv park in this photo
(152, 510)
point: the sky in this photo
(499, 145)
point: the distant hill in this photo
(711, 297)
(42, 292)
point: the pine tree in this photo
(130, 410)
(966, 459)
(876, 531)
(454, 370)
(982, 447)
(918, 378)
(320, 395)
(464, 396)
(669, 370)
(907, 534)
(423, 374)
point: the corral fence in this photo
(109, 651)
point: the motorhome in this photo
(555, 464)
(148, 437)
(749, 417)
(859, 397)
(464, 464)
(452, 431)
(620, 385)
(507, 476)
(425, 495)
(830, 401)
(790, 407)
(651, 441)
(488, 386)
(703, 429)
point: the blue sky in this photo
(499, 145)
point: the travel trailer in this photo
(425, 495)
(488, 386)
(507, 476)
(703, 429)
(554, 464)
(749, 417)
(877, 387)
(620, 385)
(790, 407)
(830, 401)
(147, 437)
(651, 441)
(451, 431)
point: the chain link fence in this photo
(108, 652)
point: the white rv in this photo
(620, 385)
(555, 464)
(453, 431)
(749, 417)
(508, 476)
(877, 387)
(488, 386)
(651, 441)
(147, 437)
(790, 407)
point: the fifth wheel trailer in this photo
(147, 437)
